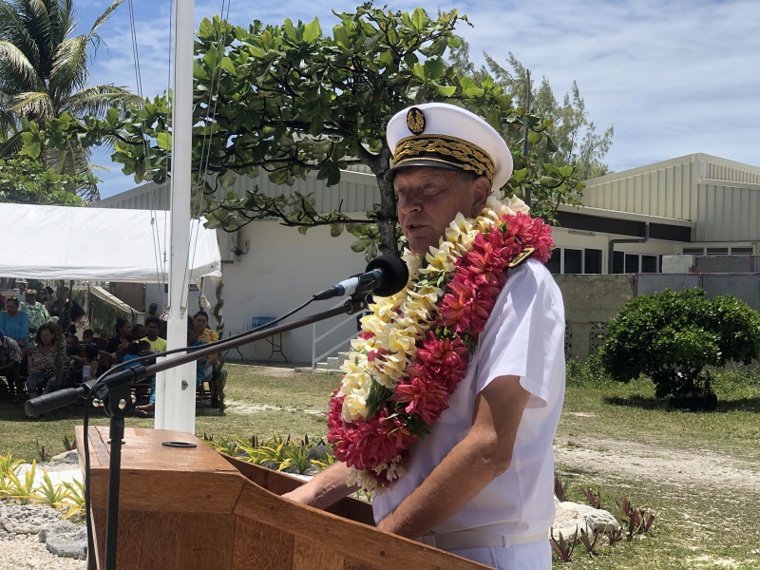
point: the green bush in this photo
(671, 337)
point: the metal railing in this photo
(344, 342)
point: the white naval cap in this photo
(441, 135)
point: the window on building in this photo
(573, 261)
(631, 263)
(693, 251)
(717, 251)
(741, 251)
(649, 263)
(554, 265)
(593, 260)
(618, 262)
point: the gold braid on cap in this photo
(446, 149)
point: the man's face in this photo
(12, 307)
(31, 299)
(430, 198)
(152, 330)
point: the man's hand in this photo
(328, 487)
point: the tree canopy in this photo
(289, 99)
(44, 75)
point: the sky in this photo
(672, 77)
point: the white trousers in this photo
(532, 556)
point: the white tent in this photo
(101, 244)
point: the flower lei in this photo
(415, 345)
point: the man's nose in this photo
(408, 203)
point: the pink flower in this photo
(365, 444)
(423, 397)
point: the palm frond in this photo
(37, 21)
(11, 145)
(98, 99)
(17, 73)
(93, 36)
(32, 104)
(69, 71)
(14, 30)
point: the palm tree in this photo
(43, 73)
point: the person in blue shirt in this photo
(14, 323)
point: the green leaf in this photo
(418, 19)
(341, 36)
(228, 66)
(164, 140)
(446, 91)
(312, 31)
(227, 179)
(336, 230)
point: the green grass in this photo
(261, 404)
(695, 528)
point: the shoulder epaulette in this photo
(522, 257)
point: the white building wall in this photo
(281, 270)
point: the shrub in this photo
(671, 337)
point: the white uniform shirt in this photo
(524, 337)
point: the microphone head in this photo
(395, 274)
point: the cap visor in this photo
(391, 174)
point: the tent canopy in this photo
(100, 244)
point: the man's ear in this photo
(481, 191)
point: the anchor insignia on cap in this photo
(415, 120)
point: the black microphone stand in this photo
(115, 393)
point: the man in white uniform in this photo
(480, 484)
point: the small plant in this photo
(591, 543)
(48, 494)
(593, 496)
(561, 547)
(322, 458)
(8, 465)
(635, 519)
(614, 535)
(297, 457)
(229, 447)
(21, 490)
(560, 489)
(43, 455)
(68, 445)
(73, 498)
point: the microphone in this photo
(384, 276)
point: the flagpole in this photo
(175, 388)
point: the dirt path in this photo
(634, 460)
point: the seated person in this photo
(135, 350)
(148, 409)
(91, 362)
(41, 359)
(117, 344)
(10, 361)
(88, 336)
(35, 311)
(215, 370)
(152, 328)
(138, 331)
(15, 323)
(76, 357)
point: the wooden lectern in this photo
(194, 509)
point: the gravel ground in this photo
(26, 552)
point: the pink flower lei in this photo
(377, 446)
